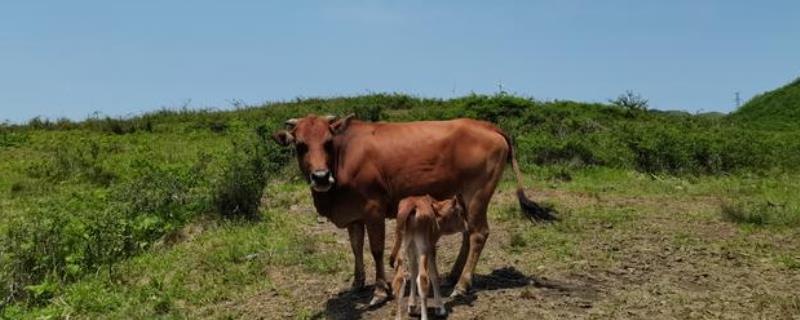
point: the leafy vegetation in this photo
(776, 109)
(86, 206)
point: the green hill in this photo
(170, 213)
(779, 107)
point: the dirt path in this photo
(613, 258)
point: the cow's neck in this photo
(341, 205)
(324, 202)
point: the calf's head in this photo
(451, 214)
(312, 137)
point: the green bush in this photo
(246, 170)
(371, 112)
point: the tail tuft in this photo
(534, 211)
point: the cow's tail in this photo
(531, 209)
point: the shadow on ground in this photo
(510, 278)
(353, 303)
(349, 304)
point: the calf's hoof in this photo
(441, 312)
(413, 310)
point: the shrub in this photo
(372, 112)
(159, 200)
(238, 192)
(630, 101)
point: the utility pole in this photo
(738, 100)
(500, 86)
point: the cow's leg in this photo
(376, 231)
(356, 233)
(478, 229)
(458, 266)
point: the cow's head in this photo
(312, 137)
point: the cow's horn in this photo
(291, 122)
(330, 117)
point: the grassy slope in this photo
(779, 108)
(211, 272)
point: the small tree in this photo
(630, 101)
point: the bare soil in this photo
(662, 259)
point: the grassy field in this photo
(192, 214)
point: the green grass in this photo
(87, 209)
(761, 213)
(777, 109)
(223, 263)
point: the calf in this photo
(421, 221)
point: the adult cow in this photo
(359, 171)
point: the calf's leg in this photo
(423, 283)
(399, 287)
(413, 267)
(434, 276)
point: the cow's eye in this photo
(302, 148)
(329, 146)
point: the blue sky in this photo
(71, 58)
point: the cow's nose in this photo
(321, 177)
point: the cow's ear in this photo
(341, 125)
(283, 137)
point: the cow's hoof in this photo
(458, 292)
(441, 312)
(358, 283)
(380, 295)
(378, 299)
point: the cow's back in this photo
(440, 158)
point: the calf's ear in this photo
(459, 200)
(283, 137)
(341, 125)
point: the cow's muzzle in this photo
(321, 180)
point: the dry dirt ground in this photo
(611, 257)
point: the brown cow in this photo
(359, 171)
(421, 221)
